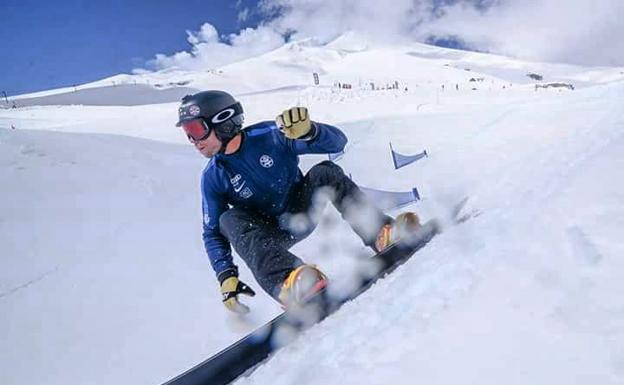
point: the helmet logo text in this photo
(194, 110)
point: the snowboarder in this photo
(256, 199)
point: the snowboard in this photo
(232, 362)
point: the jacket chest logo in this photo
(239, 187)
(266, 161)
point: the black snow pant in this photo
(263, 240)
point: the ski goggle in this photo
(196, 129)
(199, 129)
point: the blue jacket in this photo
(260, 175)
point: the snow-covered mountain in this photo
(103, 276)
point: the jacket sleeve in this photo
(325, 139)
(217, 246)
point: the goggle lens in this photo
(196, 129)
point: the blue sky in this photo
(49, 44)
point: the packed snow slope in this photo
(103, 276)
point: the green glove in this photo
(230, 289)
(295, 123)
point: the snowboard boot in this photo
(301, 285)
(403, 225)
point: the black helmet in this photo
(219, 110)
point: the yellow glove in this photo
(294, 123)
(230, 289)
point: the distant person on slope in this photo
(255, 197)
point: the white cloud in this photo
(243, 15)
(209, 50)
(325, 19)
(207, 34)
(573, 31)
